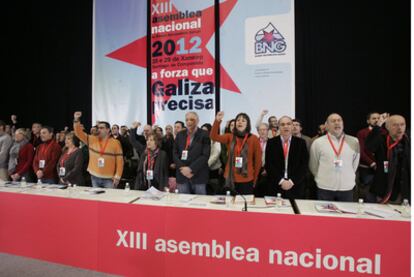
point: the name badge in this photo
(150, 174)
(386, 166)
(338, 163)
(101, 162)
(62, 171)
(184, 155)
(238, 162)
(42, 163)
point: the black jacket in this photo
(198, 155)
(398, 177)
(297, 166)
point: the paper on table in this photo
(219, 199)
(332, 208)
(153, 194)
(249, 198)
(385, 213)
(271, 200)
(93, 191)
(185, 198)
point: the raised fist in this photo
(77, 115)
(135, 124)
(264, 112)
(219, 116)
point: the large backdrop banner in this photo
(255, 60)
(257, 54)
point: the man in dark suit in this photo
(191, 153)
(286, 162)
(393, 159)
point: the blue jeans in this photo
(101, 182)
(192, 188)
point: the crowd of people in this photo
(333, 165)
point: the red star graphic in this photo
(135, 52)
(268, 36)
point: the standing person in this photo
(286, 162)
(21, 157)
(297, 132)
(46, 157)
(214, 164)
(5, 143)
(310, 185)
(168, 147)
(245, 155)
(367, 165)
(191, 153)
(152, 166)
(178, 127)
(70, 164)
(262, 183)
(35, 136)
(105, 154)
(14, 124)
(393, 159)
(333, 161)
(272, 121)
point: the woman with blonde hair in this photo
(21, 156)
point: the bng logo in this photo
(269, 42)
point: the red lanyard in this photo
(45, 149)
(285, 148)
(337, 153)
(239, 146)
(390, 146)
(150, 164)
(188, 142)
(102, 150)
(66, 156)
(263, 144)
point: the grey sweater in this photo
(5, 143)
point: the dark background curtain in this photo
(352, 57)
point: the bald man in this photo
(190, 154)
(392, 157)
(286, 162)
(333, 161)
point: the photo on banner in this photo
(182, 60)
(119, 86)
(257, 55)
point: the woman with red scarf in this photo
(244, 154)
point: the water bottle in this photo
(167, 191)
(406, 211)
(360, 208)
(23, 182)
(127, 188)
(39, 183)
(279, 200)
(228, 198)
(176, 191)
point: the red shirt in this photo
(25, 159)
(50, 152)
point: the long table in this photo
(122, 233)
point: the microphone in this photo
(234, 193)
